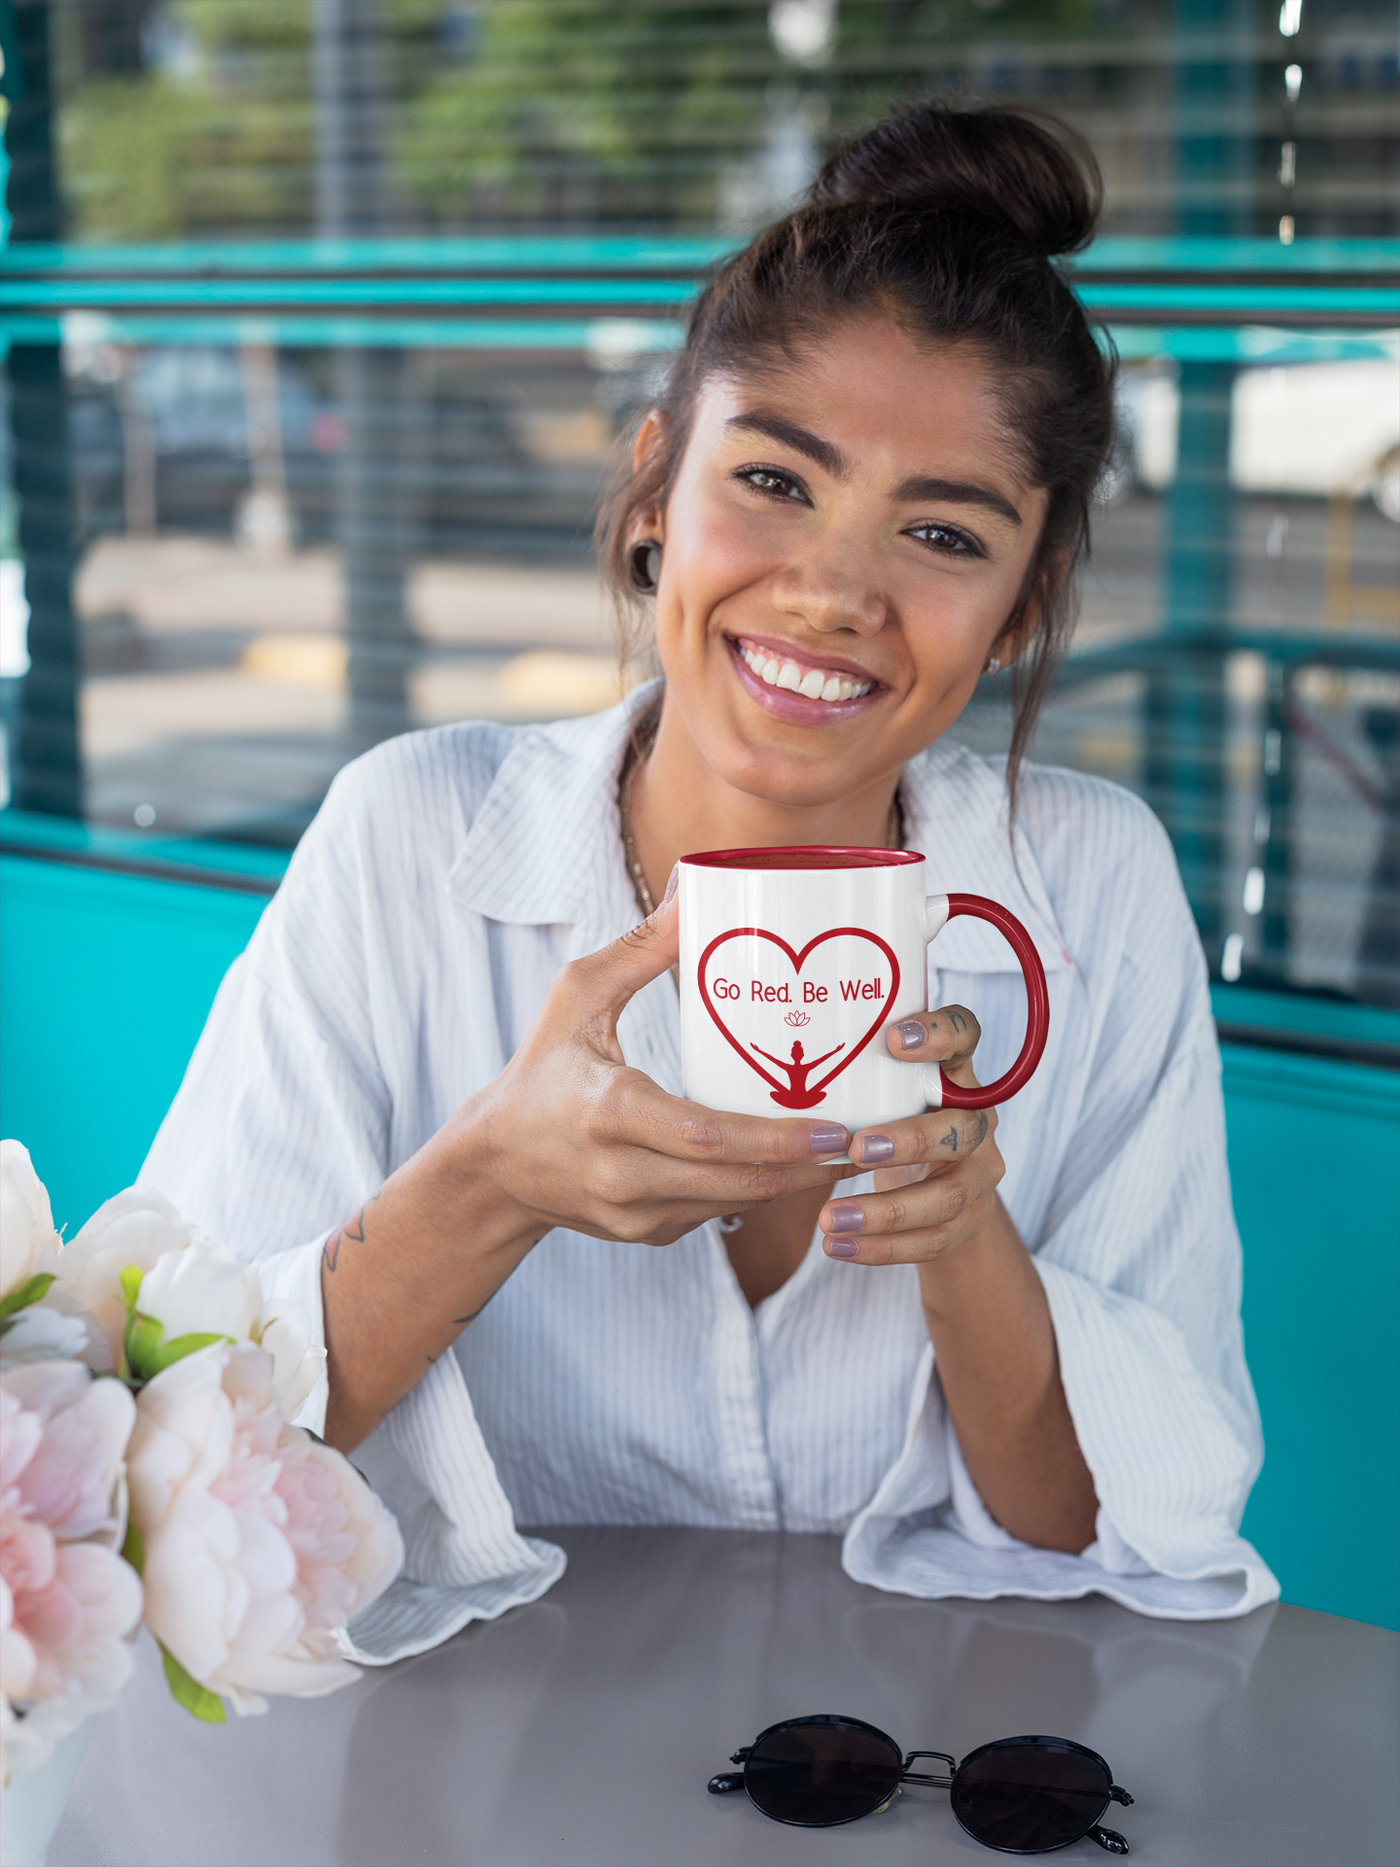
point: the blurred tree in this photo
(187, 117)
(571, 110)
(210, 130)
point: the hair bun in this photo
(1007, 164)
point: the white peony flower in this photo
(43, 1333)
(260, 1542)
(28, 1242)
(189, 1285)
(136, 1227)
(296, 1365)
(202, 1291)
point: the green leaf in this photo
(130, 1281)
(182, 1345)
(198, 1700)
(27, 1293)
(133, 1549)
(144, 1336)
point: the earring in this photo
(644, 566)
(993, 665)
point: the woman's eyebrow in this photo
(959, 492)
(827, 455)
(801, 440)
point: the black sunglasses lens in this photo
(823, 1772)
(1029, 1797)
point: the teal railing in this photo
(1206, 299)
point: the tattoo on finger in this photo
(951, 1138)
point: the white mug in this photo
(793, 963)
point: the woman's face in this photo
(844, 543)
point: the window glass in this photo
(323, 319)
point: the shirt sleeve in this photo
(279, 1132)
(1140, 1262)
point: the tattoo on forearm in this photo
(353, 1231)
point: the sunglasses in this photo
(1022, 1795)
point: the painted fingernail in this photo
(846, 1219)
(875, 1148)
(673, 882)
(827, 1140)
(911, 1034)
(841, 1247)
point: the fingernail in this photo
(673, 882)
(846, 1219)
(876, 1147)
(828, 1140)
(911, 1035)
(841, 1247)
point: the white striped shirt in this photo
(447, 877)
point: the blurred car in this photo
(1307, 428)
(181, 415)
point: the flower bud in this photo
(202, 1291)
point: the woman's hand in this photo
(571, 1135)
(936, 1174)
(567, 1135)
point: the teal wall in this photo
(1315, 1166)
(105, 980)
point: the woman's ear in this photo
(651, 437)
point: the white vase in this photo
(32, 1805)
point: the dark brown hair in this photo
(948, 221)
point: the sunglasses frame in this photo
(728, 1782)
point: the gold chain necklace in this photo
(641, 746)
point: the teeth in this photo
(811, 682)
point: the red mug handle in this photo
(1037, 1005)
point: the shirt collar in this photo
(545, 847)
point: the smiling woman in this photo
(1002, 1359)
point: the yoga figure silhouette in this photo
(797, 1095)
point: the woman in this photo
(1005, 1359)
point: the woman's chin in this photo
(803, 779)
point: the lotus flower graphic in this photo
(797, 1019)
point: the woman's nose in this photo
(831, 596)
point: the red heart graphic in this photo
(797, 1093)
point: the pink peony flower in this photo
(67, 1600)
(260, 1542)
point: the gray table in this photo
(583, 1728)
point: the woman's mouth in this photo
(794, 689)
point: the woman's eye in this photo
(771, 481)
(947, 538)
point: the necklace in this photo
(642, 743)
(643, 738)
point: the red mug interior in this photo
(819, 856)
